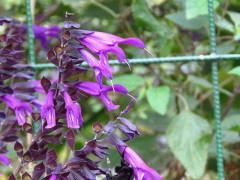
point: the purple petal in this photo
(117, 87)
(53, 177)
(89, 87)
(73, 114)
(133, 41)
(108, 102)
(141, 170)
(106, 38)
(10, 101)
(5, 160)
(26, 107)
(89, 58)
(50, 117)
(104, 60)
(94, 63)
(20, 115)
(67, 99)
(78, 113)
(47, 110)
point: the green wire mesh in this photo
(213, 57)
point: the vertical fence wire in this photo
(216, 97)
(31, 47)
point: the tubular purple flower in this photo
(95, 89)
(100, 69)
(98, 47)
(141, 170)
(48, 111)
(41, 34)
(5, 160)
(111, 39)
(18, 107)
(73, 114)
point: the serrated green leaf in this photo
(158, 98)
(188, 138)
(130, 81)
(235, 71)
(180, 19)
(195, 8)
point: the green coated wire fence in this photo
(213, 57)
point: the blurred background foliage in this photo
(174, 111)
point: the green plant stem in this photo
(186, 107)
(105, 8)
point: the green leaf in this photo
(230, 125)
(195, 8)
(224, 24)
(188, 138)
(235, 71)
(131, 81)
(205, 84)
(146, 20)
(200, 81)
(155, 121)
(180, 19)
(225, 48)
(235, 17)
(158, 98)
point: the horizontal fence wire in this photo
(201, 58)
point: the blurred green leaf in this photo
(155, 121)
(180, 19)
(200, 81)
(195, 8)
(158, 98)
(235, 71)
(130, 81)
(188, 138)
(230, 125)
(146, 20)
(235, 17)
(225, 47)
(224, 24)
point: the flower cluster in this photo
(62, 102)
(101, 44)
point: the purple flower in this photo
(47, 110)
(95, 89)
(73, 114)
(41, 33)
(111, 39)
(18, 107)
(5, 160)
(101, 43)
(100, 69)
(141, 170)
